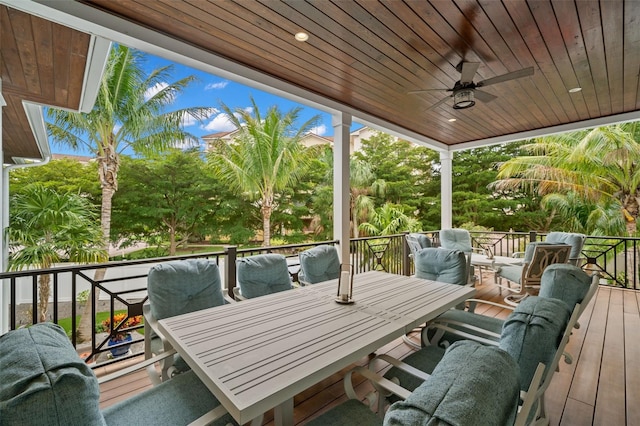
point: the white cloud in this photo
(151, 91)
(320, 130)
(217, 85)
(220, 123)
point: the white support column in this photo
(341, 123)
(446, 187)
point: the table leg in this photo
(283, 413)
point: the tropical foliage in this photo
(265, 158)
(47, 227)
(130, 113)
(599, 167)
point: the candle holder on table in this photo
(345, 286)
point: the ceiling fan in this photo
(465, 91)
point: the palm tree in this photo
(125, 116)
(46, 228)
(601, 166)
(363, 184)
(265, 158)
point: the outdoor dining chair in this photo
(561, 281)
(472, 384)
(320, 263)
(575, 240)
(460, 239)
(538, 256)
(417, 241)
(448, 266)
(261, 274)
(535, 333)
(44, 382)
(174, 288)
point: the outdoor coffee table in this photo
(494, 262)
(258, 354)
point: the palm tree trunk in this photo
(267, 209)
(43, 299)
(108, 166)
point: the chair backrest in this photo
(542, 255)
(455, 239)
(438, 264)
(417, 241)
(183, 286)
(575, 240)
(318, 264)
(263, 274)
(43, 381)
(472, 384)
(568, 283)
(537, 332)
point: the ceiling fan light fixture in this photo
(463, 99)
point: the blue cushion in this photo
(43, 381)
(178, 401)
(263, 274)
(575, 240)
(319, 264)
(449, 266)
(183, 286)
(422, 239)
(532, 333)
(455, 239)
(472, 385)
(566, 282)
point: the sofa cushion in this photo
(532, 332)
(473, 384)
(455, 239)
(43, 381)
(263, 274)
(449, 266)
(566, 282)
(422, 239)
(183, 286)
(575, 240)
(319, 264)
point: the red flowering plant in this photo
(119, 336)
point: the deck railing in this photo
(122, 285)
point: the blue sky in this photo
(209, 90)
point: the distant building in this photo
(83, 159)
(310, 139)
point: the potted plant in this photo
(118, 329)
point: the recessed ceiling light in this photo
(575, 90)
(302, 36)
(452, 120)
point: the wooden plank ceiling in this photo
(369, 54)
(41, 62)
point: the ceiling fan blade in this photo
(525, 72)
(441, 101)
(484, 96)
(468, 71)
(413, 92)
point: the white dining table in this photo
(258, 354)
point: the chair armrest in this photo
(238, 296)
(518, 254)
(488, 302)
(378, 381)
(490, 338)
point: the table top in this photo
(256, 354)
(482, 260)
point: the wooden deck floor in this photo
(600, 387)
